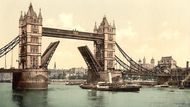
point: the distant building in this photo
(56, 74)
(167, 62)
(78, 72)
(148, 66)
(143, 63)
(73, 73)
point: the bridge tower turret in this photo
(30, 31)
(144, 60)
(152, 61)
(105, 50)
(31, 75)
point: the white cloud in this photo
(79, 28)
(66, 20)
(165, 24)
(144, 48)
(169, 34)
(127, 32)
(126, 35)
(63, 21)
(50, 22)
(59, 53)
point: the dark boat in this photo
(112, 87)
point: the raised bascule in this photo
(32, 72)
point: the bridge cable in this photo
(7, 48)
(123, 64)
(129, 59)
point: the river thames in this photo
(59, 95)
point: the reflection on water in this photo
(30, 98)
(96, 98)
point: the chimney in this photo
(187, 64)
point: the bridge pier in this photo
(116, 76)
(162, 79)
(91, 77)
(104, 76)
(30, 79)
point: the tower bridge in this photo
(32, 67)
(32, 72)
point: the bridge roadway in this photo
(71, 34)
(10, 70)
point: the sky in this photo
(144, 28)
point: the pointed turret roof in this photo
(21, 16)
(114, 24)
(95, 27)
(105, 22)
(152, 59)
(144, 60)
(31, 12)
(40, 14)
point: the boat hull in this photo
(112, 88)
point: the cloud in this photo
(127, 32)
(66, 20)
(126, 35)
(63, 21)
(169, 34)
(165, 24)
(50, 22)
(144, 48)
(59, 53)
(139, 44)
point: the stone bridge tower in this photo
(105, 50)
(32, 76)
(30, 31)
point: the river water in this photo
(59, 95)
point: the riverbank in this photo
(67, 81)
